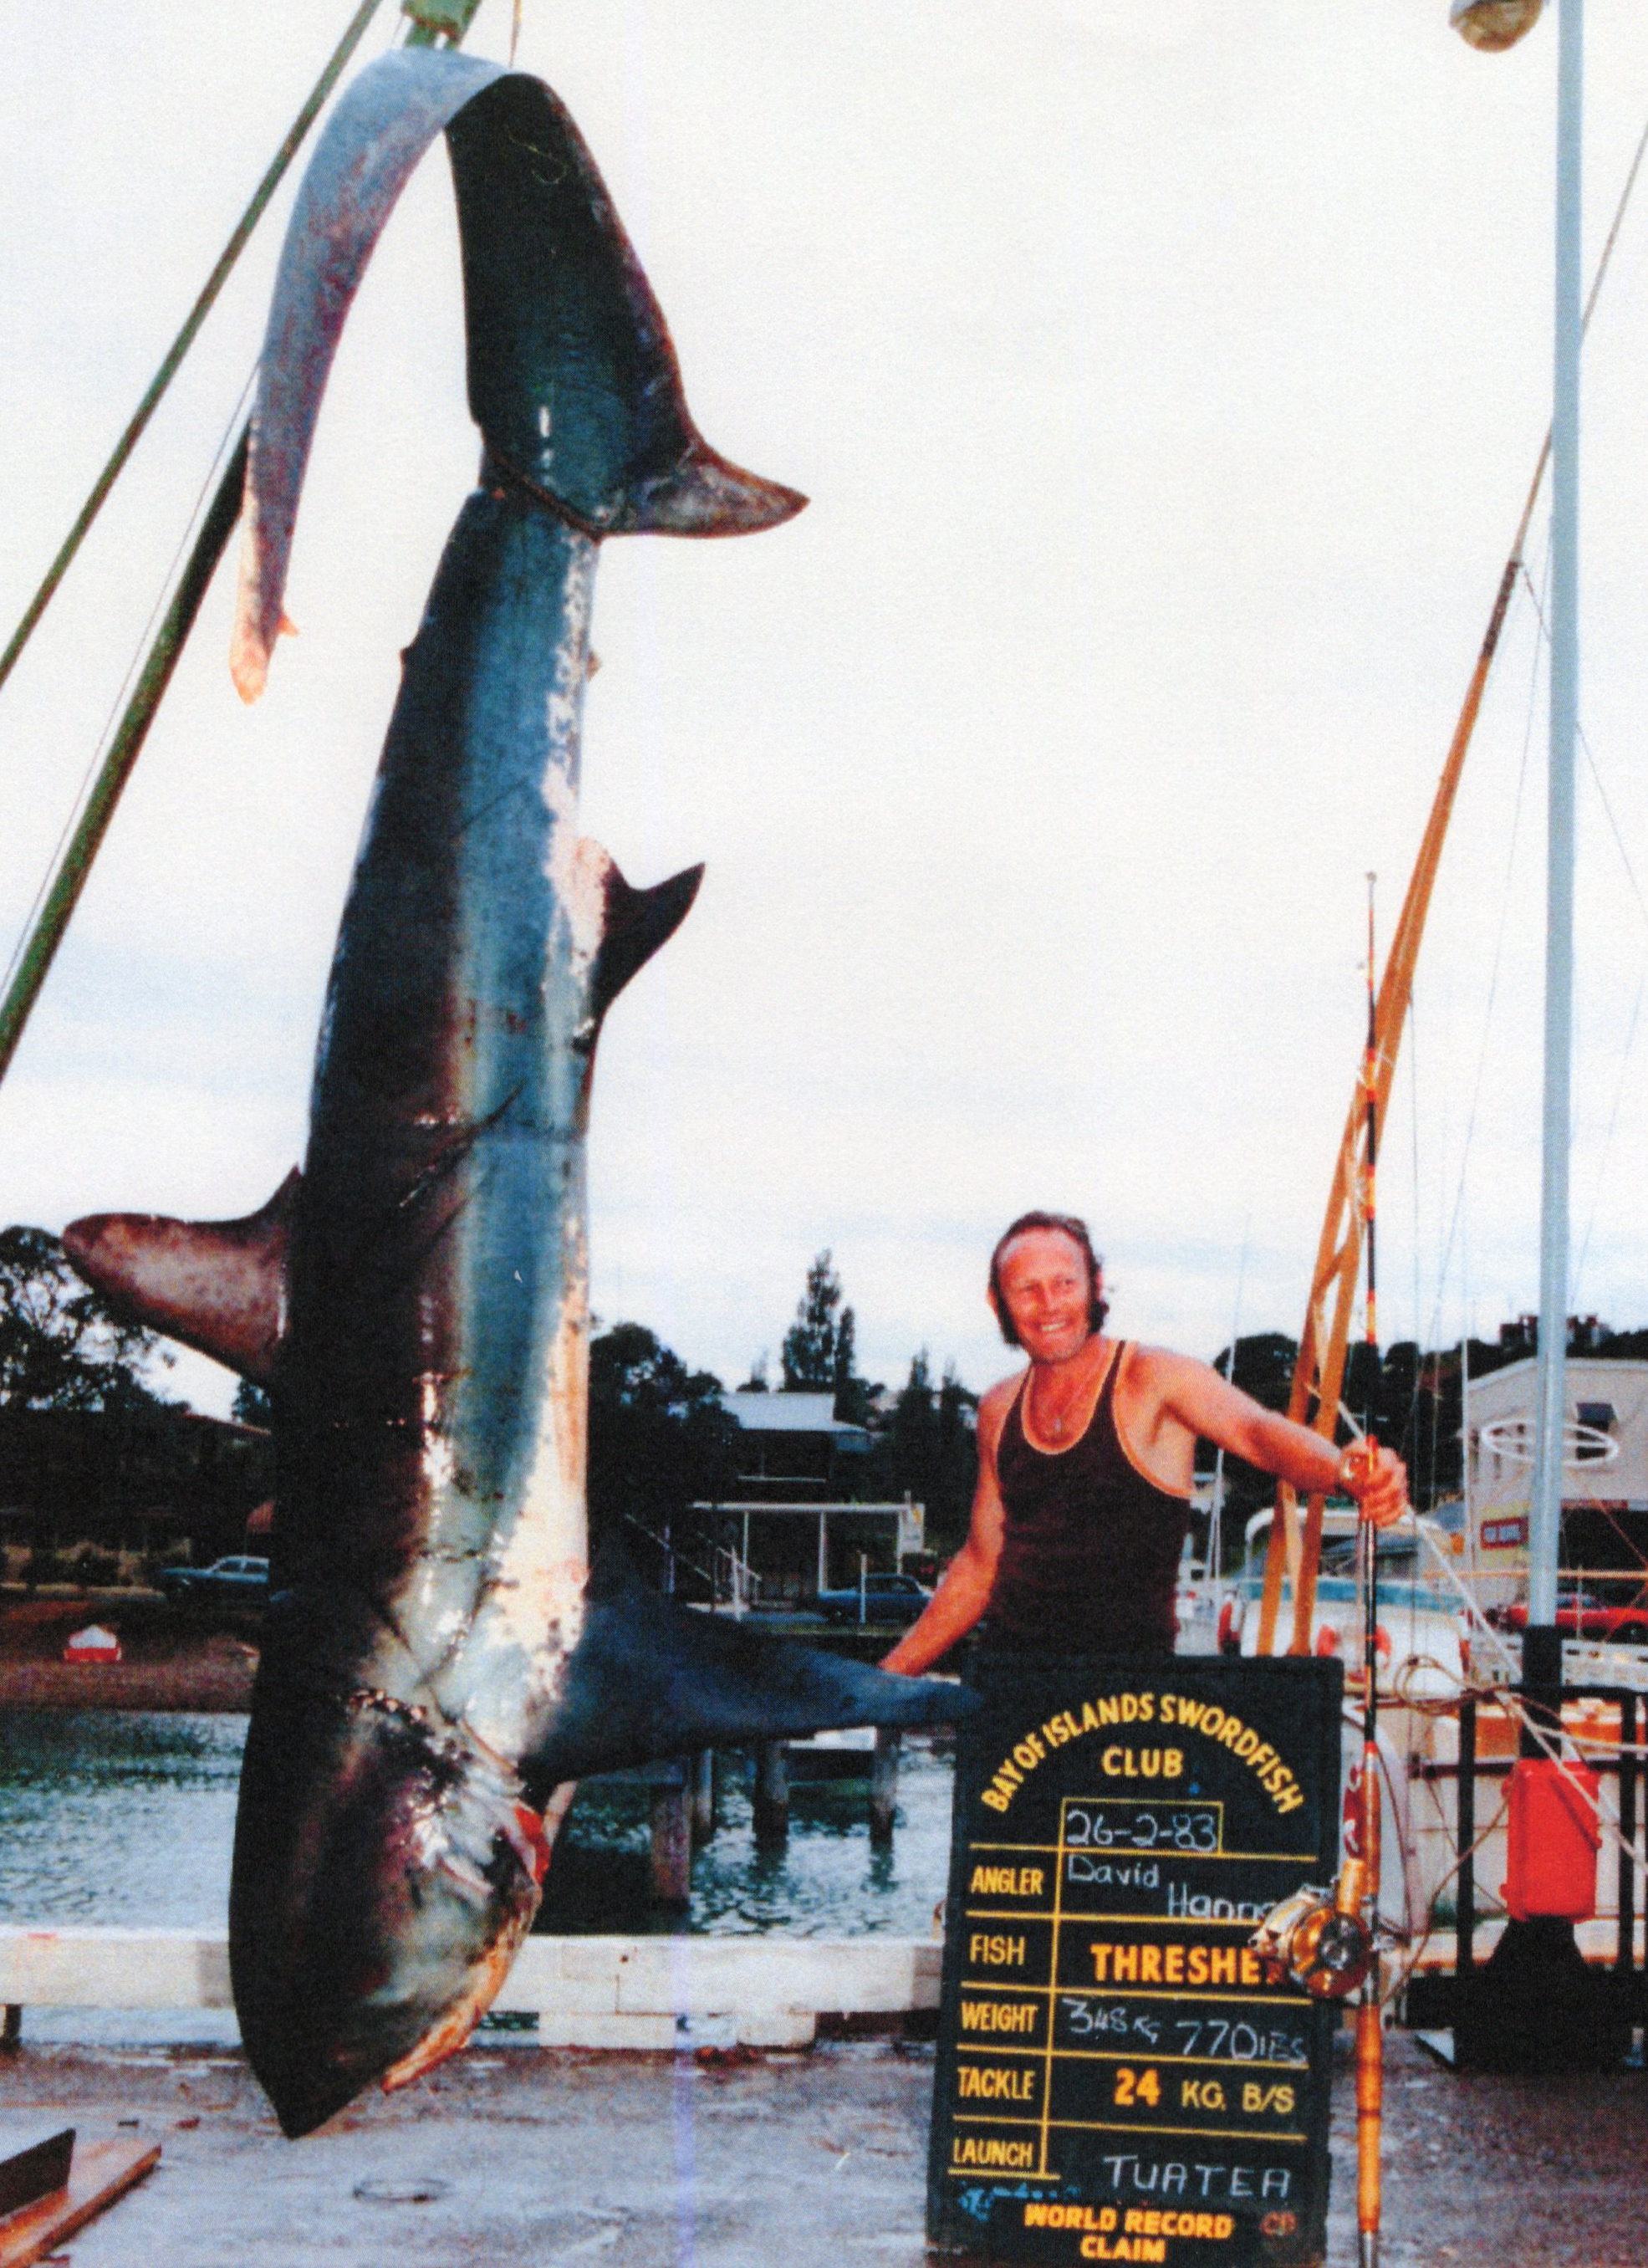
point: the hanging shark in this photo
(443, 1650)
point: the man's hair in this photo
(1067, 1225)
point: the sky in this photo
(1166, 379)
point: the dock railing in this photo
(1437, 1998)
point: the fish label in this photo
(1116, 2079)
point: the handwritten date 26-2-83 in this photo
(1187, 1827)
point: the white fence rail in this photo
(585, 1992)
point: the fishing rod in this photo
(1326, 1940)
(1369, 2038)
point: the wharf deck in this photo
(518, 2157)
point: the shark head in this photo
(416, 1873)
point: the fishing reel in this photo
(1318, 1939)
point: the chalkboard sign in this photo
(1115, 2079)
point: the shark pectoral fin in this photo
(634, 924)
(218, 1286)
(652, 1679)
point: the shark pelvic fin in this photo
(634, 922)
(217, 1286)
(648, 1678)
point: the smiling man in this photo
(1085, 1461)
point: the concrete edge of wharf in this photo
(623, 1992)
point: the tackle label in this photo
(1115, 2079)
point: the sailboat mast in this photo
(1545, 1520)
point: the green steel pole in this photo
(185, 338)
(430, 19)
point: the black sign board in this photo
(1115, 2079)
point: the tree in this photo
(1263, 1368)
(62, 1347)
(809, 1346)
(853, 1394)
(659, 1438)
(818, 1350)
(929, 1451)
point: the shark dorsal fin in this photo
(217, 1286)
(634, 923)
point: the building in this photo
(1605, 1474)
(796, 1523)
(791, 1444)
(158, 1482)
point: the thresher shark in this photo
(447, 1646)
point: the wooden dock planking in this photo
(101, 2172)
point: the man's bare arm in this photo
(969, 1579)
(1210, 1406)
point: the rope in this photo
(185, 338)
(1493, 976)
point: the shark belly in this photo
(431, 1441)
(431, 1546)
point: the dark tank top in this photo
(1090, 1555)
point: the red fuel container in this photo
(1553, 1839)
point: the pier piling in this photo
(671, 1839)
(704, 1792)
(772, 1792)
(884, 1775)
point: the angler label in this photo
(1115, 2079)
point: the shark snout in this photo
(411, 1875)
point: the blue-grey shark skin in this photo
(443, 1648)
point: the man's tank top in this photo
(1090, 1555)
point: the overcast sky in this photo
(1166, 378)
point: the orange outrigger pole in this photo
(1318, 1369)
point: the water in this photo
(117, 1817)
(826, 1880)
(111, 1817)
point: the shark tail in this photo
(217, 1286)
(572, 377)
(649, 1679)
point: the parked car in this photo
(1581, 1613)
(887, 1599)
(242, 1581)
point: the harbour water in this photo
(124, 1817)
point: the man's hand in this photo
(1378, 1479)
